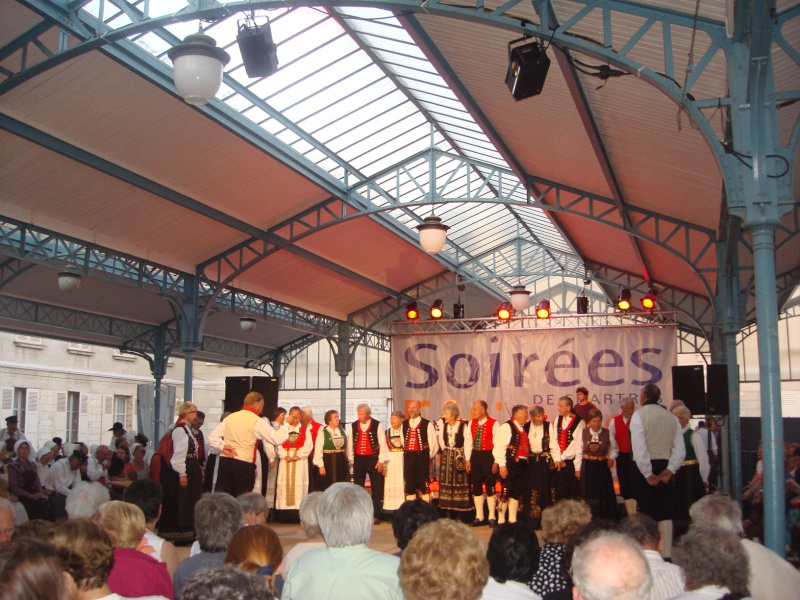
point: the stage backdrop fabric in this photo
(535, 367)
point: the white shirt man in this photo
(97, 467)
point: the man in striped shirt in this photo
(667, 578)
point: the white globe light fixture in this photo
(432, 234)
(197, 68)
(520, 298)
(247, 324)
(69, 282)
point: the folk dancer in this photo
(691, 480)
(316, 483)
(566, 446)
(658, 453)
(511, 451)
(484, 469)
(597, 485)
(394, 489)
(293, 470)
(622, 453)
(540, 466)
(330, 453)
(455, 440)
(420, 446)
(366, 440)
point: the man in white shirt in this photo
(610, 565)
(97, 467)
(63, 476)
(622, 452)
(511, 452)
(367, 439)
(484, 470)
(539, 433)
(566, 448)
(667, 578)
(11, 431)
(420, 445)
(658, 453)
(237, 442)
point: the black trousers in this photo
(515, 485)
(656, 501)
(480, 474)
(567, 485)
(625, 474)
(416, 471)
(367, 465)
(234, 476)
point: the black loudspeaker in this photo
(268, 387)
(688, 384)
(236, 388)
(259, 53)
(527, 70)
(717, 396)
(583, 305)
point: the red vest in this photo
(315, 427)
(298, 443)
(485, 442)
(622, 433)
(365, 443)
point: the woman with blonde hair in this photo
(135, 572)
(256, 549)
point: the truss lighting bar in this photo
(629, 319)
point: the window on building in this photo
(20, 405)
(121, 409)
(73, 415)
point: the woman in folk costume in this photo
(597, 486)
(293, 468)
(455, 440)
(393, 494)
(330, 452)
(181, 479)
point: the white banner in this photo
(536, 367)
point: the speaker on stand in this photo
(688, 384)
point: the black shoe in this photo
(478, 523)
(492, 523)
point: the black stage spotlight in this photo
(436, 309)
(527, 69)
(649, 301)
(543, 310)
(624, 302)
(412, 312)
(505, 311)
(259, 53)
(583, 305)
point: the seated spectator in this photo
(345, 567)
(513, 556)
(609, 566)
(444, 560)
(99, 461)
(254, 507)
(225, 583)
(138, 467)
(87, 553)
(771, 577)
(410, 516)
(13, 504)
(64, 476)
(35, 528)
(147, 495)
(216, 518)
(310, 525)
(44, 457)
(23, 482)
(7, 526)
(559, 523)
(31, 570)
(256, 549)
(714, 564)
(85, 499)
(667, 578)
(135, 573)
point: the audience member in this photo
(148, 496)
(134, 573)
(216, 518)
(444, 560)
(85, 500)
(45, 456)
(87, 553)
(23, 482)
(559, 523)
(20, 515)
(31, 570)
(714, 565)
(610, 566)
(97, 466)
(513, 556)
(254, 508)
(411, 515)
(225, 583)
(667, 578)
(64, 475)
(6, 521)
(771, 577)
(256, 549)
(310, 525)
(346, 566)
(34, 528)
